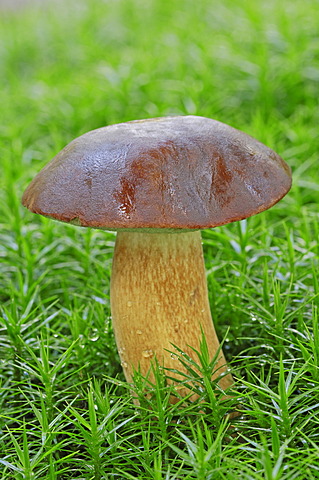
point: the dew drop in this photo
(173, 356)
(94, 335)
(139, 332)
(147, 353)
(129, 304)
(176, 327)
(124, 364)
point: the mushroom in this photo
(158, 182)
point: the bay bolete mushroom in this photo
(158, 182)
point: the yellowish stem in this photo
(158, 298)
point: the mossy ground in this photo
(65, 410)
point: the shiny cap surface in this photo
(184, 172)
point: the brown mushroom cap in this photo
(184, 172)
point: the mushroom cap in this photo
(184, 172)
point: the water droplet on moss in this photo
(94, 335)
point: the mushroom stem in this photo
(159, 297)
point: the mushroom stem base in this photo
(159, 298)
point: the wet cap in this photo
(184, 172)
